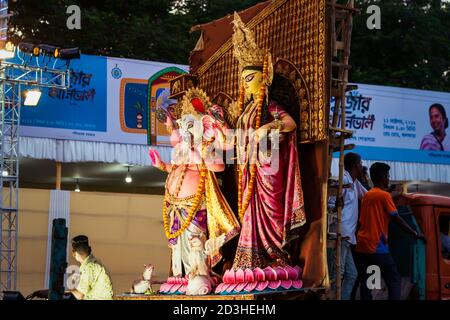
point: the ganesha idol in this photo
(197, 218)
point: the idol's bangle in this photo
(163, 167)
(276, 124)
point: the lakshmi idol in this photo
(270, 198)
(197, 218)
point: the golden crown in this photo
(246, 51)
(196, 102)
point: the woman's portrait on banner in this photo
(437, 139)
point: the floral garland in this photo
(192, 211)
(195, 203)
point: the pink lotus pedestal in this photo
(259, 280)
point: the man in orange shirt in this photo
(377, 210)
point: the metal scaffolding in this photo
(13, 78)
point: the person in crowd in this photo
(94, 281)
(364, 179)
(377, 210)
(352, 192)
(444, 223)
(438, 138)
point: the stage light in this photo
(49, 50)
(32, 97)
(5, 173)
(12, 296)
(8, 52)
(77, 187)
(128, 178)
(29, 48)
(69, 54)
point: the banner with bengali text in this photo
(393, 124)
(108, 101)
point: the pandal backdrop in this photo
(294, 31)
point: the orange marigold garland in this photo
(192, 211)
(195, 203)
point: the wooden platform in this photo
(183, 297)
(286, 295)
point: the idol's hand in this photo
(169, 123)
(217, 113)
(260, 134)
(156, 159)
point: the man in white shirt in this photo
(353, 192)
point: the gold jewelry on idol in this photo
(195, 102)
(248, 54)
(193, 209)
(244, 203)
(163, 167)
(195, 203)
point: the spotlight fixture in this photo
(68, 54)
(48, 50)
(12, 296)
(29, 48)
(26, 47)
(32, 97)
(77, 187)
(5, 173)
(128, 178)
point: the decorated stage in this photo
(302, 294)
(276, 246)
